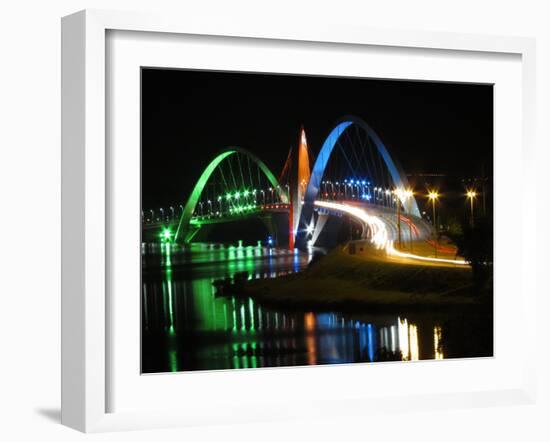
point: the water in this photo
(187, 326)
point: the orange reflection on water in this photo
(309, 325)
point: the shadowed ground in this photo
(366, 277)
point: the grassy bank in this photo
(340, 279)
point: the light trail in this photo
(380, 237)
(392, 251)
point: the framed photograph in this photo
(253, 212)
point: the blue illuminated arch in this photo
(398, 177)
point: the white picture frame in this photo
(86, 315)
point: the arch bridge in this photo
(354, 167)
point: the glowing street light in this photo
(409, 194)
(387, 199)
(433, 197)
(166, 234)
(402, 195)
(471, 194)
(398, 194)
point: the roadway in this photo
(382, 238)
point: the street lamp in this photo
(409, 194)
(433, 196)
(398, 194)
(166, 234)
(471, 194)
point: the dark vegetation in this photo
(475, 244)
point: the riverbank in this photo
(343, 280)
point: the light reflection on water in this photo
(186, 326)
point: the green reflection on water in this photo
(167, 292)
(251, 311)
(172, 351)
(234, 311)
(243, 319)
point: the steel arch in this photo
(398, 177)
(191, 204)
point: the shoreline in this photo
(341, 280)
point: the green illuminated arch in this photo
(191, 204)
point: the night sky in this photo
(188, 116)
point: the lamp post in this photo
(229, 206)
(409, 194)
(433, 196)
(398, 193)
(471, 194)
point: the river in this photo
(187, 326)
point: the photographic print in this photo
(297, 220)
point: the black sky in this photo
(188, 116)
